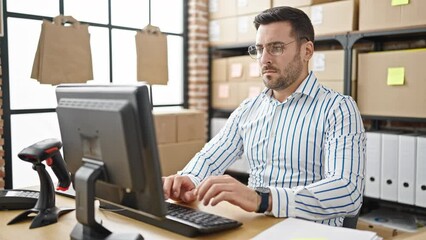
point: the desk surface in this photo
(252, 224)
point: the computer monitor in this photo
(109, 146)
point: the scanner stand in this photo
(87, 227)
(47, 212)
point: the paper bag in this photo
(63, 53)
(151, 51)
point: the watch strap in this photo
(264, 202)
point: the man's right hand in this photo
(179, 188)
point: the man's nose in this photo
(265, 58)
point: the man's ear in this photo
(308, 50)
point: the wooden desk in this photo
(252, 224)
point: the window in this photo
(29, 106)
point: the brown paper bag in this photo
(151, 51)
(63, 53)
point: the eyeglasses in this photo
(273, 48)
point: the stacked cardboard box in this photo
(231, 21)
(328, 67)
(392, 83)
(180, 135)
(333, 17)
(385, 14)
(298, 3)
(233, 80)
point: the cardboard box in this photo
(222, 8)
(219, 70)
(380, 14)
(223, 31)
(298, 3)
(230, 95)
(242, 68)
(338, 86)
(246, 31)
(235, 68)
(251, 89)
(165, 127)
(333, 17)
(392, 83)
(191, 125)
(330, 65)
(252, 70)
(252, 6)
(179, 125)
(419, 235)
(384, 232)
(225, 95)
(174, 156)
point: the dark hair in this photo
(300, 23)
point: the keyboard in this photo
(184, 220)
(201, 221)
(15, 199)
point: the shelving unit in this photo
(241, 49)
(348, 42)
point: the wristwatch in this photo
(263, 192)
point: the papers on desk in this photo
(296, 229)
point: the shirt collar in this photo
(308, 87)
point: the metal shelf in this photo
(347, 40)
(393, 118)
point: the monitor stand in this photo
(87, 227)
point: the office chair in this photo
(350, 222)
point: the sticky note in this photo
(236, 70)
(223, 91)
(396, 76)
(316, 15)
(318, 62)
(254, 70)
(213, 6)
(400, 2)
(242, 3)
(244, 24)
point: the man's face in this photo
(279, 72)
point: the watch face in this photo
(263, 189)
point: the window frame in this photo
(5, 87)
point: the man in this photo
(305, 143)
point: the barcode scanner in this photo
(46, 150)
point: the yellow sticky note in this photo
(400, 2)
(396, 76)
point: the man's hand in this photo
(215, 189)
(179, 188)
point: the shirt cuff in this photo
(282, 202)
(194, 179)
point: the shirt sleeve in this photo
(220, 152)
(340, 192)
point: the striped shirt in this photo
(309, 150)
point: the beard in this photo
(290, 74)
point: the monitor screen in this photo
(112, 126)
